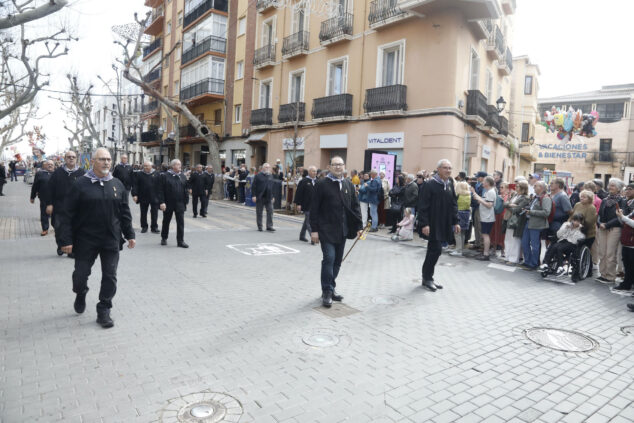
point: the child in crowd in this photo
(405, 230)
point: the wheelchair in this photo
(577, 264)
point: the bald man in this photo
(145, 195)
(40, 189)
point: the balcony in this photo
(289, 112)
(334, 107)
(150, 136)
(385, 12)
(151, 48)
(528, 152)
(202, 9)
(262, 117)
(211, 43)
(603, 156)
(150, 108)
(492, 124)
(155, 24)
(509, 6)
(264, 5)
(504, 126)
(153, 3)
(495, 44)
(336, 29)
(471, 9)
(187, 131)
(153, 76)
(505, 66)
(264, 56)
(386, 100)
(295, 45)
(481, 28)
(208, 86)
(477, 111)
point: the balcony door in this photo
(605, 150)
(297, 87)
(265, 95)
(391, 58)
(337, 77)
(339, 8)
(299, 19)
(268, 32)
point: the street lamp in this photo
(160, 132)
(500, 103)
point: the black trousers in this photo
(44, 218)
(204, 205)
(241, 192)
(434, 250)
(195, 199)
(84, 260)
(259, 206)
(180, 224)
(305, 225)
(1, 187)
(55, 222)
(153, 215)
(627, 254)
(557, 250)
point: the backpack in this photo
(498, 206)
(551, 216)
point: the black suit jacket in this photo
(304, 194)
(40, 185)
(209, 179)
(330, 206)
(262, 187)
(438, 209)
(172, 190)
(58, 186)
(144, 187)
(124, 174)
(197, 183)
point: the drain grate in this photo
(561, 339)
(337, 310)
(202, 407)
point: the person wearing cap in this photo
(532, 179)
(475, 209)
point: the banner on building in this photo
(386, 140)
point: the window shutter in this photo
(401, 69)
(344, 77)
(331, 78)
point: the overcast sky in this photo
(579, 46)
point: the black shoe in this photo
(429, 285)
(203, 215)
(301, 238)
(60, 252)
(103, 318)
(336, 297)
(183, 245)
(155, 231)
(437, 285)
(270, 229)
(326, 299)
(374, 230)
(312, 242)
(80, 302)
(621, 287)
(163, 241)
(260, 229)
(483, 258)
(195, 216)
(143, 230)
(392, 231)
(71, 255)
(630, 306)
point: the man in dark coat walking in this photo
(95, 214)
(144, 194)
(58, 186)
(173, 199)
(124, 172)
(262, 191)
(209, 178)
(438, 217)
(242, 182)
(3, 177)
(335, 216)
(12, 166)
(303, 199)
(196, 185)
(40, 190)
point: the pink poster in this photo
(385, 163)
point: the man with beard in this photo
(96, 213)
(40, 189)
(196, 185)
(58, 185)
(210, 178)
(173, 199)
(144, 194)
(262, 191)
(124, 172)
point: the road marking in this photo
(262, 249)
(502, 267)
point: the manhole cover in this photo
(202, 410)
(202, 407)
(385, 299)
(561, 339)
(321, 340)
(627, 330)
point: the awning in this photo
(257, 137)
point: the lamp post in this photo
(160, 132)
(500, 103)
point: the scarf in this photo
(94, 178)
(69, 171)
(171, 172)
(440, 181)
(149, 173)
(611, 200)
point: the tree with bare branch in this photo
(18, 13)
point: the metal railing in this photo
(509, 59)
(221, 5)
(295, 43)
(504, 126)
(477, 104)
(496, 39)
(264, 4)
(261, 117)
(149, 136)
(332, 106)
(288, 112)
(150, 107)
(336, 27)
(205, 86)
(264, 54)
(211, 43)
(603, 156)
(152, 76)
(493, 118)
(156, 13)
(488, 25)
(382, 10)
(381, 99)
(151, 47)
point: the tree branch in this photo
(25, 16)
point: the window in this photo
(169, 27)
(296, 86)
(610, 112)
(528, 85)
(214, 25)
(265, 94)
(489, 86)
(390, 71)
(165, 124)
(240, 69)
(484, 163)
(526, 127)
(288, 159)
(237, 112)
(337, 76)
(299, 19)
(180, 18)
(242, 26)
(210, 67)
(176, 87)
(340, 7)
(474, 71)
(268, 32)
(605, 149)
(218, 117)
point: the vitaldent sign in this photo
(287, 143)
(386, 140)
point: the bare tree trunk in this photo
(31, 15)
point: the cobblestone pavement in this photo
(212, 322)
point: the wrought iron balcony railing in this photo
(493, 118)
(187, 131)
(289, 112)
(382, 10)
(382, 99)
(152, 76)
(211, 43)
(203, 8)
(264, 54)
(509, 59)
(336, 27)
(262, 5)
(477, 104)
(504, 126)
(205, 86)
(332, 106)
(496, 40)
(149, 136)
(295, 43)
(151, 47)
(150, 107)
(261, 117)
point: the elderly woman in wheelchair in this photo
(570, 244)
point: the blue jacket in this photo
(369, 192)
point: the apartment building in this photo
(524, 112)
(415, 80)
(609, 154)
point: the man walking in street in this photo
(144, 193)
(173, 199)
(438, 217)
(196, 186)
(3, 178)
(91, 224)
(210, 178)
(40, 190)
(561, 203)
(12, 165)
(262, 191)
(58, 186)
(124, 172)
(303, 199)
(334, 217)
(242, 183)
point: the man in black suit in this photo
(40, 189)
(173, 199)
(197, 190)
(242, 182)
(124, 172)
(335, 216)
(209, 178)
(303, 199)
(262, 191)
(144, 193)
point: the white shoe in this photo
(456, 253)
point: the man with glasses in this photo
(58, 186)
(95, 216)
(334, 217)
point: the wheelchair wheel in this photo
(584, 265)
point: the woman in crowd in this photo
(487, 213)
(585, 207)
(568, 236)
(537, 220)
(394, 213)
(464, 215)
(497, 233)
(610, 231)
(516, 223)
(574, 197)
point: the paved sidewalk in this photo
(229, 321)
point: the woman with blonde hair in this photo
(464, 215)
